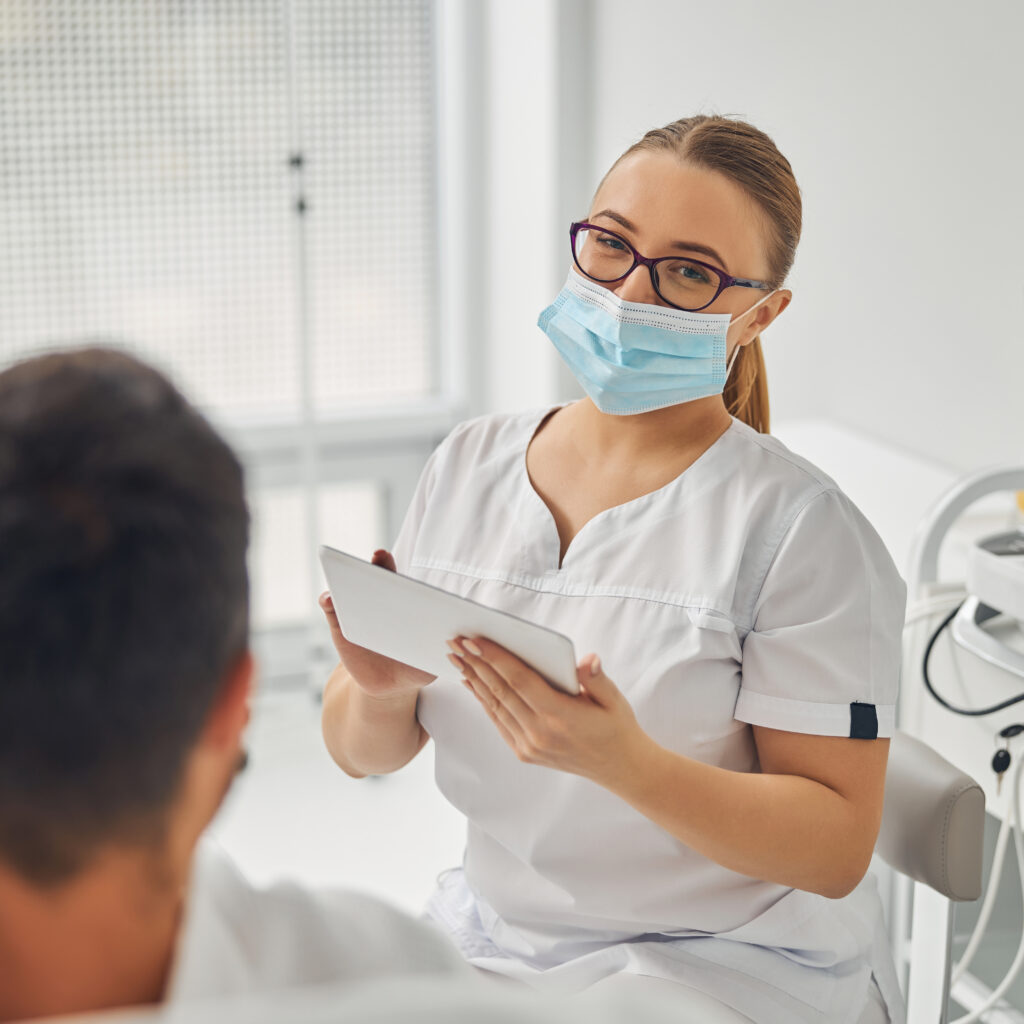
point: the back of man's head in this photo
(123, 602)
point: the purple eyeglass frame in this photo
(724, 280)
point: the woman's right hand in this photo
(373, 673)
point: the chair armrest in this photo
(933, 824)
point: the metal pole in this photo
(308, 449)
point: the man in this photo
(125, 677)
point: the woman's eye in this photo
(689, 272)
(611, 242)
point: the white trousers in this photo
(695, 1007)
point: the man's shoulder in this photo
(237, 936)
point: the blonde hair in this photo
(750, 159)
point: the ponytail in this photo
(746, 393)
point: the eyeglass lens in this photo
(605, 257)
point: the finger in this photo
(530, 687)
(327, 605)
(384, 559)
(467, 672)
(487, 696)
(595, 683)
(487, 702)
(498, 686)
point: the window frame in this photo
(388, 443)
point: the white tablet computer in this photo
(411, 621)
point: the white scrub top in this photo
(747, 591)
(238, 939)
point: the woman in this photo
(707, 819)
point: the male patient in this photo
(125, 678)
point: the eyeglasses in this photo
(684, 283)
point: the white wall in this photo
(535, 140)
(903, 123)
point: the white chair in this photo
(933, 830)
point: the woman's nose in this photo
(638, 287)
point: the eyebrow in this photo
(705, 250)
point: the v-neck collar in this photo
(538, 523)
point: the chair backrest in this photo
(933, 824)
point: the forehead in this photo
(670, 201)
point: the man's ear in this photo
(230, 712)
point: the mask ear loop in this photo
(736, 319)
(732, 359)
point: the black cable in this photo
(974, 712)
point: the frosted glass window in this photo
(350, 517)
(366, 88)
(147, 193)
(279, 557)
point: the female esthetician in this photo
(705, 821)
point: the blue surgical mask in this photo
(631, 357)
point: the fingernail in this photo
(325, 599)
(595, 665)
(472, 648)
(457, 662)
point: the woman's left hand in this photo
(594, 734)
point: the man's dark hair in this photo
(123, 601)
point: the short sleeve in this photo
(823, 654)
